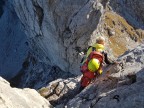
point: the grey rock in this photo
(131, 10)
(20, 98)
(61, 91)
(111, 32)
(51, 32)
(13, 41)
(57, 27)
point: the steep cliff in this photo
(56, 29)
(57, 32)
(13, 42)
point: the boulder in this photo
(20, 98)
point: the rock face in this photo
(2, 3)
(131, 10)
(20, 98)
(13, 42)
(57, 29)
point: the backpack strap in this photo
(91, 54)
(93, 49)
(95, 54)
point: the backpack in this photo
(93, 54)
(85, 51)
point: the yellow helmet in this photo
(93, 65)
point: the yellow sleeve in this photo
(89, 51)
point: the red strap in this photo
(97, 55)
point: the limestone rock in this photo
(60, 91)
(56, 28)
(20, 98)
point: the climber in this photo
(92, 65)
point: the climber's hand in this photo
(97, 74)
